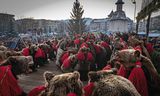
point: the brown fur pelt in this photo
(5, 54)
(61, 85)
(20, 64)
(13, 53)
(107, 84)
(3, 48)
(2, 55)
(133, 41)
(126, 57)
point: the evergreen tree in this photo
(77, 24)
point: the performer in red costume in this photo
(8, 83)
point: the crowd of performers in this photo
(124, 55)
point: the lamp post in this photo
(134, 2)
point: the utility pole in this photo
(134, 2)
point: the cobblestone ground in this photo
(28, 82)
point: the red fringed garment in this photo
(39, 53)
(89, 57)
(67, 63)
(84, 45)
(104, 44)
(77, 41)
(80, 56)
(36, 91)
(138, 48)
(122, 71)
(8, 84)
(137, 77)
(25, 51)
(108, 67)
(98, 49)
(149, 48)
(64, 56)
(88, 89)
(71, 94)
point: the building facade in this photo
(118, 22)
(98, 25)
(154, 24)
(7, 24)
(37, 26)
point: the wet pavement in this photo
(30, 81)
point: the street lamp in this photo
(134, 2)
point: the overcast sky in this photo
(60, 9)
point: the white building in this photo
(98, 25)
(118, 22)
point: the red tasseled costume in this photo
(39, 53)
(77, 41)
(67, 63)
(108, 67)
(88, 89)
(98, 49)
(104, 44)
(36, 91)
(64, 56)
(80, 56)
(89, 57)
(25, 51)
(138, 48)
(137, 77)
(122, 71)
(8, 83)
(149, 48)
(84, 44)
(71, 94)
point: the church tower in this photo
(119, 4)
(118, 22)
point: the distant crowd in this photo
(114, 65)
